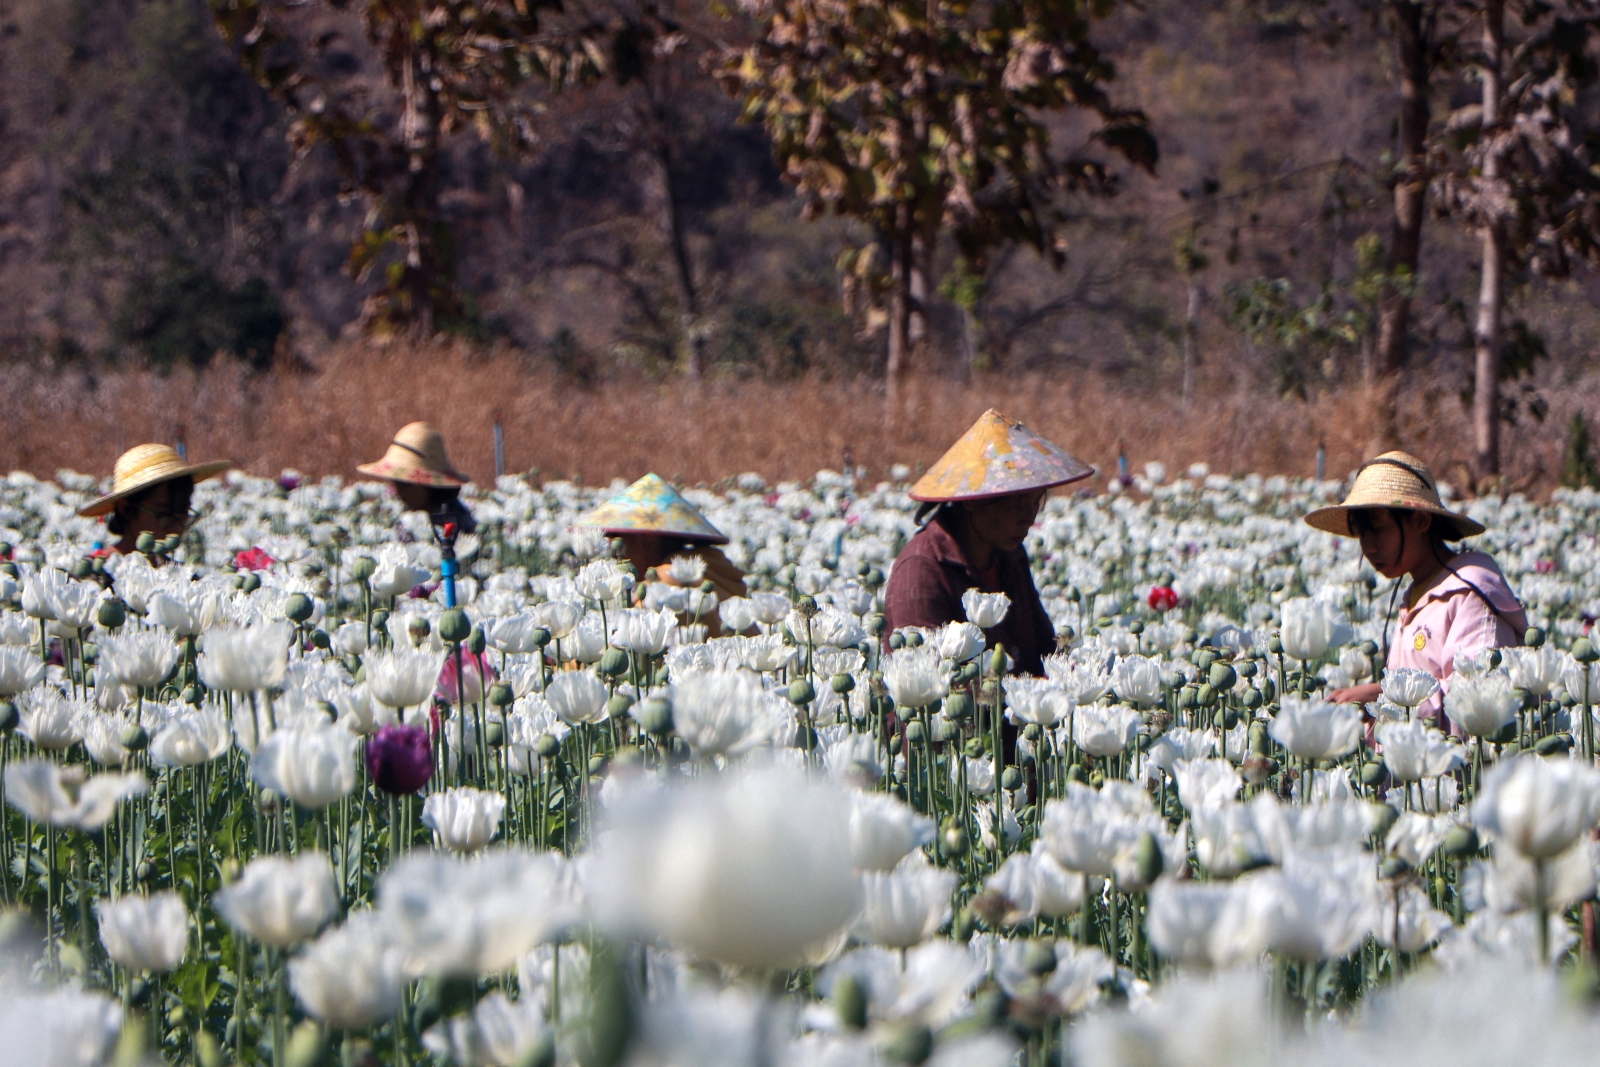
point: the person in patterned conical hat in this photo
(668, 541)
(978, 503)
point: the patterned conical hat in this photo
(651, 506)
(997, 457)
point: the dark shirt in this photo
(930, 575)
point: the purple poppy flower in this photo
(399, 759)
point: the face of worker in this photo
(414, 497)
(1004, 520)
(1393, 548)
(162, 510)
(643, 551)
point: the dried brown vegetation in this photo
(327, 419)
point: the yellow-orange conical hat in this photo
(651, 506)
(998, 457)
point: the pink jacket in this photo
(1450, 618)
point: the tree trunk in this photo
(1405, 242)
(683, 268)
(901, 299)
(1491, 294)
(1191, 327)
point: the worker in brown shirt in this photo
(979, 501)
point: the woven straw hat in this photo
(416, 455)
(651, 506)
(997, 457)
(1394, 480)
(143, 466)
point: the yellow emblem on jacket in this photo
(1421, 642)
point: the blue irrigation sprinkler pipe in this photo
(445, 534)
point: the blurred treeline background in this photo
(209, 208)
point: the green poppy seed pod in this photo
(843, 683)
(494, 732)
(307, 1047)
(1526, 698)
(863, 568)
(973, 748)
(876, 622)
(873, 579)
(801, 692)
(1533, 637)
(1203, 658)
(1189, 697)
(1384, 817)
(547, 746)
(267, 800)
(297, 608)
(1495, 659)
(897, 642)
(10, 718)
(597, 763)
(380, 619)
(613, 662)
(1147, 858)
(169, 544)
(914, 731)
(476, 642)
(1583, 650)
(1246, 668)
(357, 669)
(238, 581)
(955, 841)
(251, 583)
(1554, 744)
(999, 662)
(1275, 644)
(806, 607)
(1223, 676)
(1097, 779)
(958, 708)
(618, 705)
(1032, 731)
(1260, 741)
(913, 639)
(1460, 841)
(655, 715)
(850, 1002)
(1039, 957)
(10, 569)
(1253, 698)
(1372, 774)
(1136, 626)
(909, 1043)
(135, 738)
(112, 614)
(1206, 696)
(1225, 719)
(501, 695)
(1011, 779)
(1393, 867)
(81, 569)
(541, 637)
(146, 542)
(319, 638)
(454, 626)
(1076, 773)
(363, 569)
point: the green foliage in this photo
(185, 315)
(1578, 469)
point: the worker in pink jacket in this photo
(1458, 602)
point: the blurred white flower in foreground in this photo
(905, 906)
(465, 819)
(402, 678)
(312, 767)
(144, 933)
(243, 659)
(1311, 627)
(351, 976)
(280, 901)
(49, 793)
(752, 869)
(883, 829)
(1316, 729)
(1538, 806)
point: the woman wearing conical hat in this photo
(420, 472)
(979, 501)
(151, 487)
(1458, 602)
(668, 541)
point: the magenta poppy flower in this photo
(400, 759)
(253, 559)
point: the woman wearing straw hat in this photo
(420, 472)
(979, 502)
(151, 487)
(1457, 602)
(668, 541)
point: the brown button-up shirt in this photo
(929, 577)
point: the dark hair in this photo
(1362, 520)
(117, 525)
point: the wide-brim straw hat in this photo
(143, 466)
(998, 457)
(417, 455)
(651, 506)
(1394, 480)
